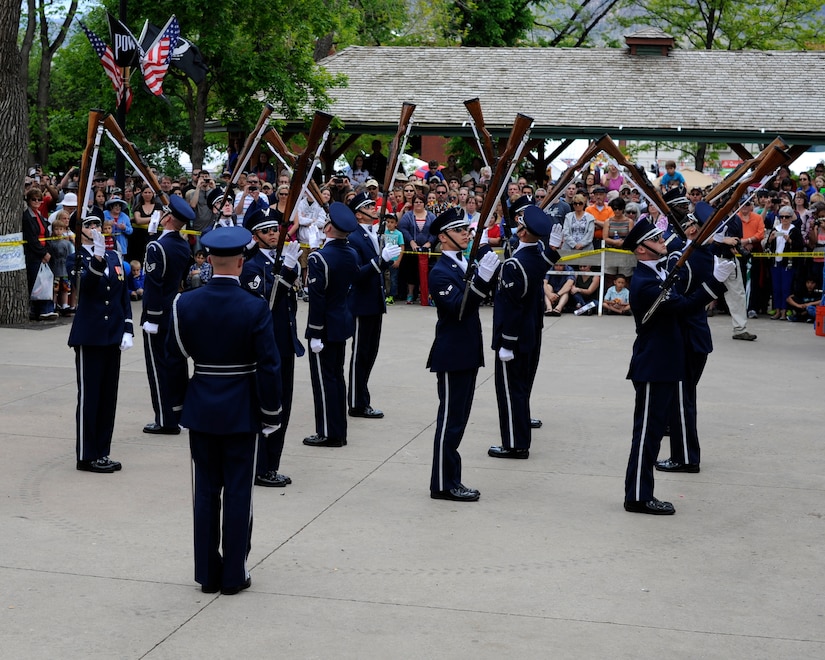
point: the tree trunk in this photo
(701, 152)
(198, 124)
(13, 139)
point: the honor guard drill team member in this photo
(101, 329)
(518, 317)
(457, 351)
(367, 302)
(167, 259)
(329, 324)
(657, 365)
(273, 280)
(234, 393)
(684, 436)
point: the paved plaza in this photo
(354, 560)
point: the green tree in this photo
(735, 24)
(490, 22)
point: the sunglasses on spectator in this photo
(634, 192)
(631, 213)
(578, 203)
(283, 194)
(785, 217)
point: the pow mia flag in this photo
(125, 46)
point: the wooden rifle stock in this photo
(768, 161)
(399, 143)
(248, 147)
(483, 137)
(304, 165)
(498, 184)
(87, 163)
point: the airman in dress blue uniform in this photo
(657, 365)
(518, 317)
(684, 435)
(167, 259)
(235, 392)
(101, 330)
(332, 270)
(367, 302)
(457, 351)
(273, 282)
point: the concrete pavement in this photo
(354, 560)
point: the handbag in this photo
(43, 288)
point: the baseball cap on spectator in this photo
(371, 182)
(599, 189)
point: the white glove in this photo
(316, 345)
(487, 266)
(485, 238)
(154, 222)
(126, 342)
(269, 429)
(150, 328)
(723, 268)
(314, 240)
(556, 235)
(390, 252)
(291, 253)
(505, 354)
(99, 247)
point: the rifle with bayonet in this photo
(252, 141)
(131, 154)
(94, 133)
(482, 135)
(399, 143)
(278, 147)
(302, 175)
(774, 155)
(507, 162)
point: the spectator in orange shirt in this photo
(600, 212)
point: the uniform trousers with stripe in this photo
(223, 470)
(650, 417)
(329, 390)
(455, 401)
(364, 353)
(684, 436)
(270, 448)
(514, 383)
(158, 373)
(98, 373)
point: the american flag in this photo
(112, 70)
(156, 61)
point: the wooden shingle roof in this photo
(714, 96)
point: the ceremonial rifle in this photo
(131, 154)
(94, 133)
(252, 141)
(483, 137)
(399, 143)
(304, 167)
(278, 147)
(768, 161)
(498, 184)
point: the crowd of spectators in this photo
(597, 209)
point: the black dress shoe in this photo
(318, 440)
(460, 494)
(231, 591)
(157, 429)
(272, 479)
(504, 452)
(210, 589)
(535, 423)
(654, 507)
(670, 465)
(368, 412)
(103, 465)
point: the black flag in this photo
(124, 45)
